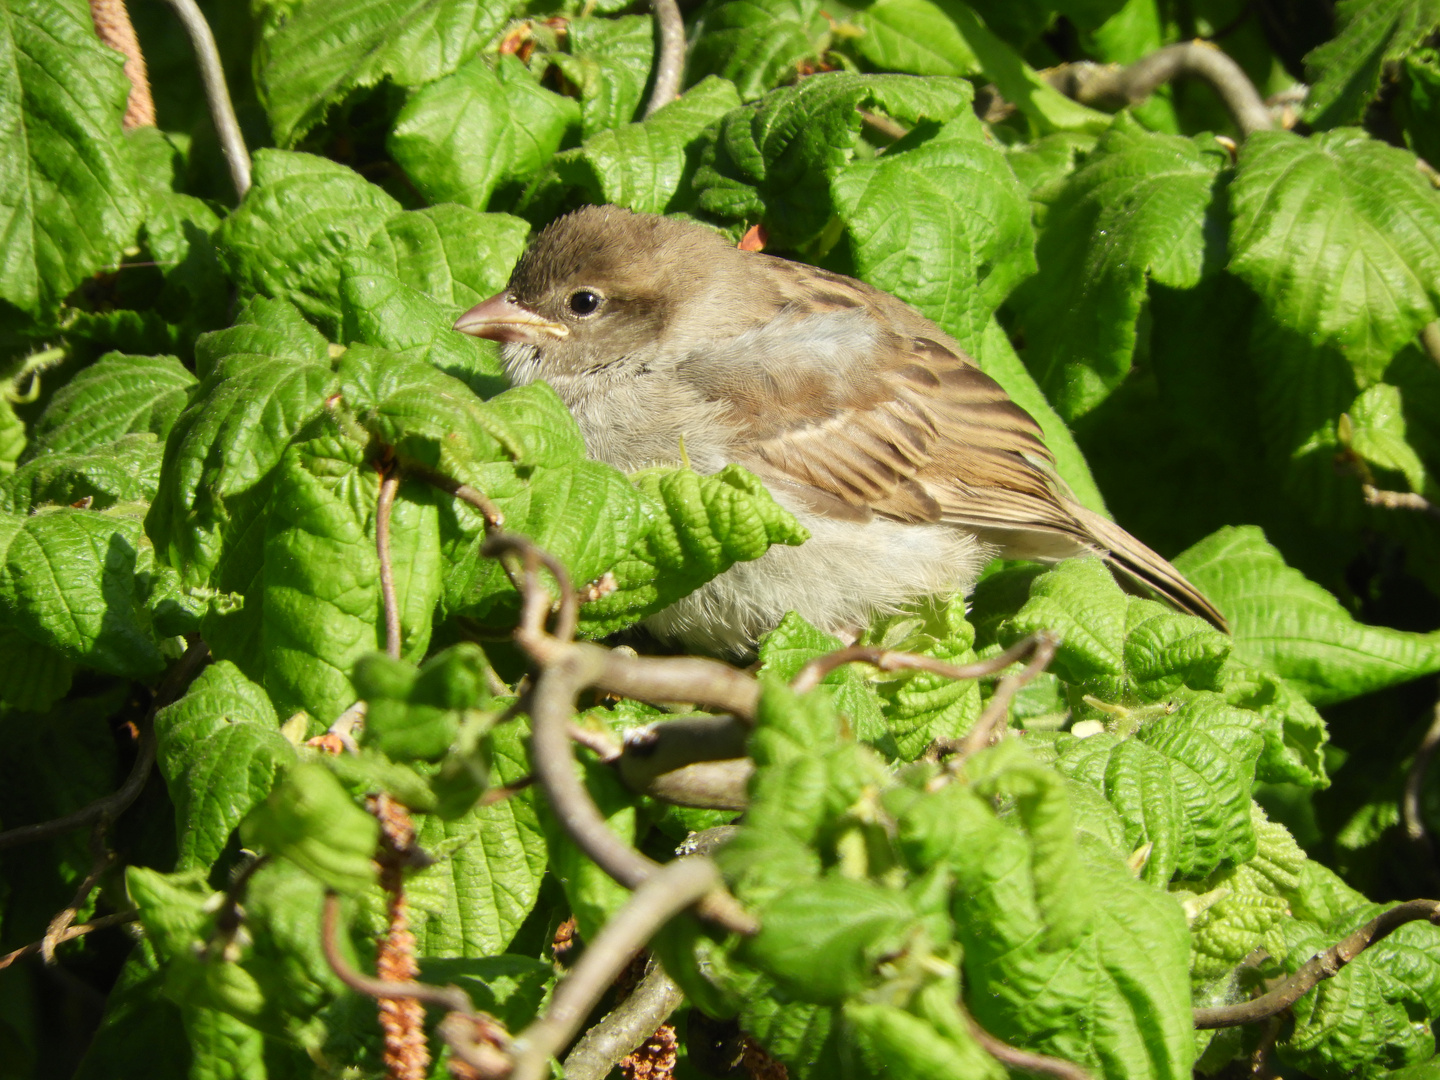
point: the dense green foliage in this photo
(1224, 344)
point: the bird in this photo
(909, 466)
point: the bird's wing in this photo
(854, 403)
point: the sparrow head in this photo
(598, 286)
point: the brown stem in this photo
(668, 891)
(1319, 967)
(695, 760)
(1410, 803)
(1398, 500)
(670, 64)
(112, 806)
(531, 632)
(102, 859)
(112, 24)
(217, 94)
(1093, 84)
(1025, 1060)
(1041, 648)
(624, 1028)
(813, 673)
(445, 997)
(389, 485)
(70, 934)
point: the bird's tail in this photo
(1137, 562)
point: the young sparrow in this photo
(909, 465)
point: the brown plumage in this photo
(910, 465)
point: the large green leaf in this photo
(1340, 237)
(115, 396)
(913, 36)
(301, 214)
(77, 581)
(1286, 624)
(773, 161)
(756, 43)
(219, 748)
(1139, 210)
(68, 198)
(1345, 72)
(127, 470)
(905, 221)
(318, 51)
(609, 62)
(645, 166)
(458, 138)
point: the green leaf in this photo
(756, 44)
(262, 381)
(822, 941)
(69, 203)
(117, 395)
(1139, 210)
(457, 138)
(311, 820)
(1418, 103)
(452, 254)
(1113, 643)
(1288, 625)
(1045, 107)
(913, 36)
(489, 863)
(125, 471)
(320, 52)
(35, 676)
(903, 219)
(696, 527)
(1340, 237)
(222, 1046)
(913, 1048)
(1378, 434)
(141, 1032)
(77, 581)
(416, 713)
(1373, 1016)
(594, 896)
(322, 602)
(1241, 904)
(1345, 72)
(300, 215)
(510, 988)
(646, 166)
(219, 749)
(773, 161)
(609, 60)
(794, 643)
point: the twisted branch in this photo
(625, 1027)
(1321, 966)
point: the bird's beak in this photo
(503, 318)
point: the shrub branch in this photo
(1321, 966)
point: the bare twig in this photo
(1398, 500)
(1041, 648)
(217, 94)
(70, 934)
(626, 1027)
(667, 892)
(1319, 967)
(1410, 802)
(531, 632)
(103, 859)
(1025, 1060)
(389, 485)
(445, 997)
(112, 806)
(112, 24)
(695, 760)
(690, 680)
(1109, 84)
(670, 64)
(813, 673)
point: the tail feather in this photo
(1137, 562)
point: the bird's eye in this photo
(584, 302)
